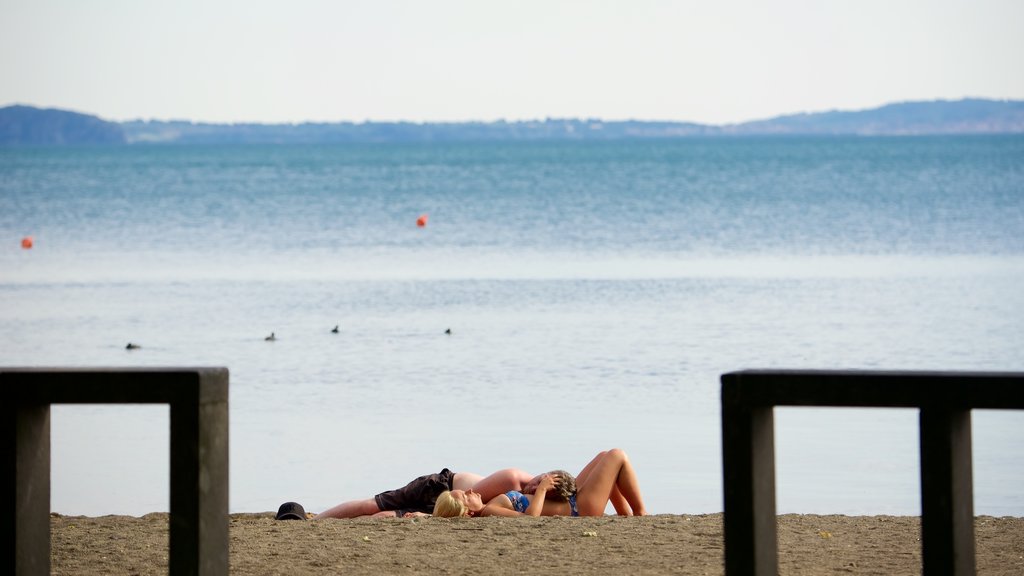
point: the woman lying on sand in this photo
(608, 477)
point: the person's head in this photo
(565, 486)
(455, 503)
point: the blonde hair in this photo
(565, 488)
(447, 506)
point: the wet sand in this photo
(663, 544)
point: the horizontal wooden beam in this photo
(866, 389)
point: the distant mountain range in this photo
(35, 126)
(26, 125)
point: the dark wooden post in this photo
(748, 450)
(28, 462)
(947, 494)
(199, 480)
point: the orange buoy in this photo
(422, 221)
(26, 242)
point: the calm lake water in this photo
(595, 292)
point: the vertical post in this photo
(748, 459)
(28, 462)
(199, 484)
(947, 493)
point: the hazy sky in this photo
(711, 61)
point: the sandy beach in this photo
(662, 544)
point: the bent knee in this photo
(617, 453)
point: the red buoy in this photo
(422, 220)
(26, 242)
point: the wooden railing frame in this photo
(945, 401)
(198, 399)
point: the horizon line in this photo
(523, 120)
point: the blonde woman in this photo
(608, 477)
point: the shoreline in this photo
(660, 544)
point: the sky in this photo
(712, 62)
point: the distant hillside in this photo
(551, 129)
(974, 116)
(37, 126)
(26, 125)
(911, 118)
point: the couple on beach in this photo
(510, 492)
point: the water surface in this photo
(595, 292)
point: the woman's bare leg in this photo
(608, 472)
(581, 478)
(618, 501)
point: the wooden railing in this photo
(198, 399)
(945, 401)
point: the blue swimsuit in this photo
(520, 502)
